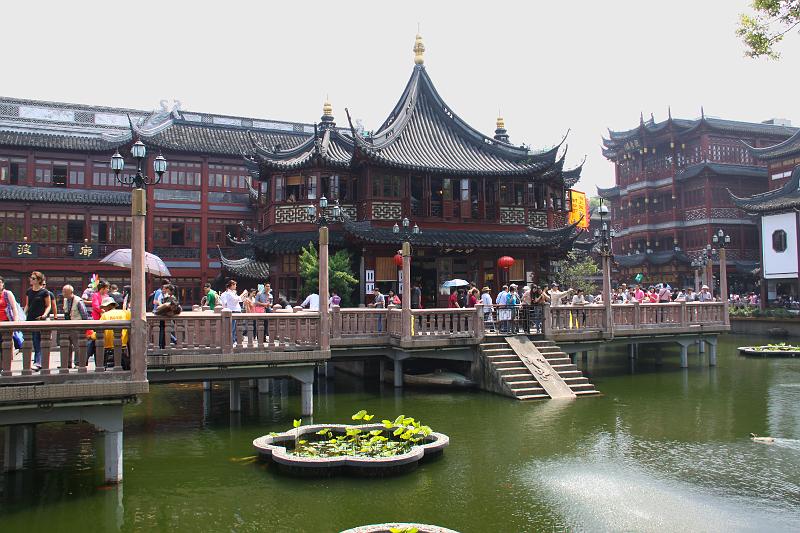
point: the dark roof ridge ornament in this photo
(501, 134)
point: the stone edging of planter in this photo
(273, 446)
(751, 350)
(384, 528)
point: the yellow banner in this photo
(580, 208)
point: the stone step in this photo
(534, 397)
(504, 357)
(548, 349)
(555, 355)
(511, 363)
(586, 392)
(490, 345)
(564, 367)
(522, 384)
(508, 378)
(570, 373)
(528, 390)
(582, 387)
(498, 351)
(505, 370)
(576, 380)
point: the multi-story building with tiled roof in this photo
(670, 196)
(776, 212)
(58, 194)
(476, 197)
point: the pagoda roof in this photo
(460, 239)
(330, 148)
(21, 193)
(285, 242)
(682, 127)
(610, 192)
(789, 147)
(722, 169)
(785, 198)
(655, 258)
(423, 133)
(245, 268)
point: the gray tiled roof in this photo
(442, 238)
(22, 193)
(218, 140)
(721, 169)
(655, 258)
(423, 133)
(789, 147)
(785, 198)
(329, 148)
(277, 242)
(54, 141)
(245, 268)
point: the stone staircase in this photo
(513, 378)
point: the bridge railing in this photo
(66, 372)
(224, 333)
(446, 323)
(633, 317)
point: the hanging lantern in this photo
(505, 262)
(398, 260)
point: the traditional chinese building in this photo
(475, 198)
(61, 209)
(670, 196)
(776, 213)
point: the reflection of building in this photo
(671, 194)
(475, 197)
(777, 211)
(58, 192)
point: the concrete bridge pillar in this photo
(113, 456)
(330, 370)
(381, 370)
(263, 385)
(684, 352)
(632, 351)
(702, 346)
(398, 372)
(206, 385)
(307, 398)
(712, 351)
(17, 441)
(236, 397)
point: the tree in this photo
(764, 29)
(577, 271)
(342, 279)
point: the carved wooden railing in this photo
(60, 378)
(232, 333)
(358, 322)
(446, 323)
(627, 318)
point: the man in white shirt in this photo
(556, 296)
(502, 296)
(311, 302)
(705, 295)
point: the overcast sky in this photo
(548, 66)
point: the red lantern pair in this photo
(505, 262)
(398, 260)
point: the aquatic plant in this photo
(396, 437)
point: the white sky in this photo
(548, 66)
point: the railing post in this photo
(480, 327)
(405, 316)
(324, 292)
(336, 322)
(137, 338)
(226, 332)
(637, 315)
(723, 284)
(547, 318)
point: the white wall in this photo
(779, 264)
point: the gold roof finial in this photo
(327, 108)
(501, 124)
(419, 50)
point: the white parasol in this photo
(122, 258)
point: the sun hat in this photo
(107, 301)
(485, 289)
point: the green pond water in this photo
(664, 449)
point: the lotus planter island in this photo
(401, 527)
(391, 447)
(772, 350)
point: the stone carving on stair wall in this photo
(542, 372)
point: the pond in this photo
(662, 449)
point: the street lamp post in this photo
(697, 264)
(406, 235)
(723, 239)
(709, 266)
(605, 235)
(321, 217)
(137, 343)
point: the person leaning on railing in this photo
(74, 309)
(110, 312)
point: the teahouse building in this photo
(670, 195)
(474, 197)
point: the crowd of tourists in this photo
(99, 301)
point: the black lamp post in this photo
(605, 234)
(723, 239)
(139, 181)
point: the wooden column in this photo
(137, 343)
(324, 293)
(723, 284)
(406, 298)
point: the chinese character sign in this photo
(24, 250)
(579, 210)
(86, 251)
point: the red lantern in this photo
(505, 262)
(398, 260)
